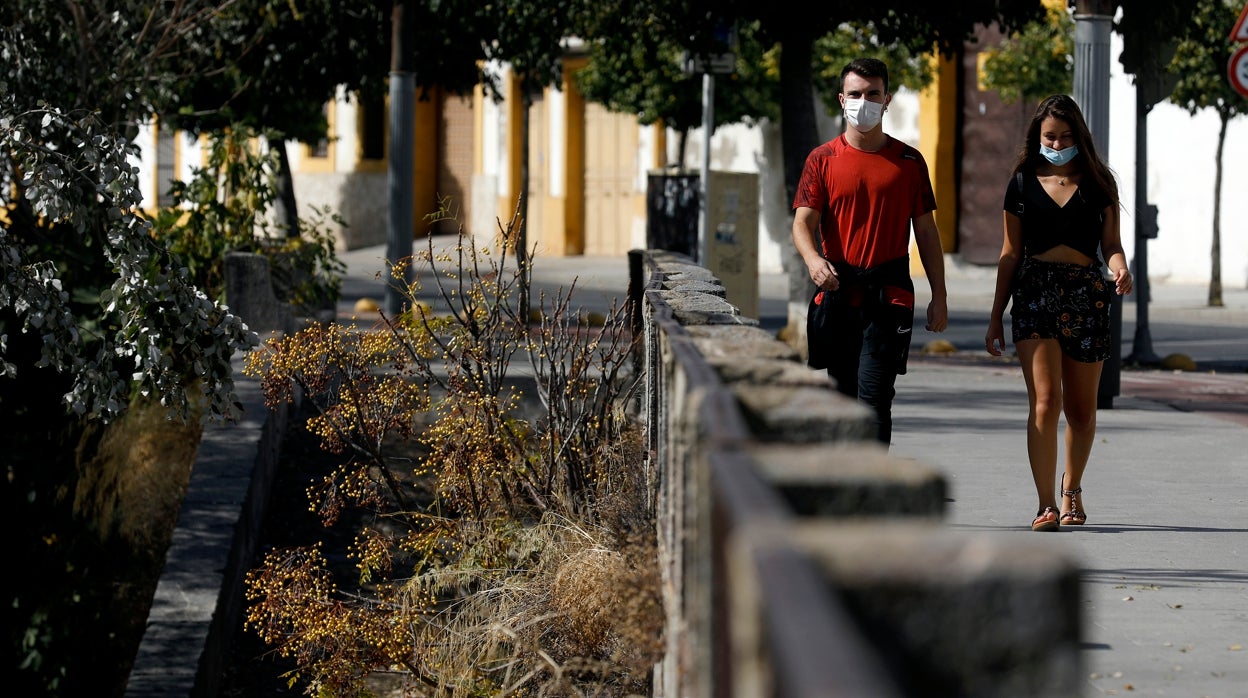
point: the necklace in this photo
(1061, 182)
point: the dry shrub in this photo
(522, 539)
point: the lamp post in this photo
(1147, 89)
(401, 175)
(1093, 21)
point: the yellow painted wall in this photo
(938, 135)
(425, 163)
(574, 165)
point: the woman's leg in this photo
(1041, 361)
(1081, 382)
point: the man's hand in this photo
(824, 275)
(937, 315)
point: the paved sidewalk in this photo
(1165, 549)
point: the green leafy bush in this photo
(226, 207)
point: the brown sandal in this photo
(1046, 520)
(1076, 516)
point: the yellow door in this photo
(610, 162)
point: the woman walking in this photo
(1061, 220)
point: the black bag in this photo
(819, 329)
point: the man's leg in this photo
(877, 379)
(885, 350)
(845, 348)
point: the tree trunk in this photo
(799, 135)
(798, 131)
(284, 209)
(1215, 252)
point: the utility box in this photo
(732, 238)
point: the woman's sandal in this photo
(1046, 520)
(1076, 516)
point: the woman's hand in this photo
(1123, 283)
(994, 338)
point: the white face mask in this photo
(863, 115)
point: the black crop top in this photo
(1046, 225)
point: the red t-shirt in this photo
(865, 200)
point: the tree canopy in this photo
(111, 309)
(1199, 67)
(1035, 61)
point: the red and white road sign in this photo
(1237, 70)
(1240, 31)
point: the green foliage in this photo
(1035, 61)
(906, 68)
(225, 208)
(149, 328)
(530, 36)
(1200, 61)
(307, 272)
(638, 70)
(478, 495)
(222, 208)
(93, 311)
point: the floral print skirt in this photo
(1066, 302)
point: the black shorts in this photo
(1066, 302)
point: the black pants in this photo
(861, 334)
(871, 349)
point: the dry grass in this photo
(585, 620)
(133, 484)
(575, 611)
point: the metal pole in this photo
(708, 126)
(1142, 345)
(1093, 22)
(401, 177)
(1092, 74)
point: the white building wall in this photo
(190, 156)
(647, 146)
(1181, 168)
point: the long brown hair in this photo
(1063, 108)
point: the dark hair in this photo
(1064, 108)
(867, 68)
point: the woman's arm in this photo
(1007, 268)
(1111, 247)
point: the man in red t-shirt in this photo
(857, 199)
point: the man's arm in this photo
(806, 239)
(927, 239)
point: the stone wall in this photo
(800, 558)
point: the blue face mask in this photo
(1059, 157)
